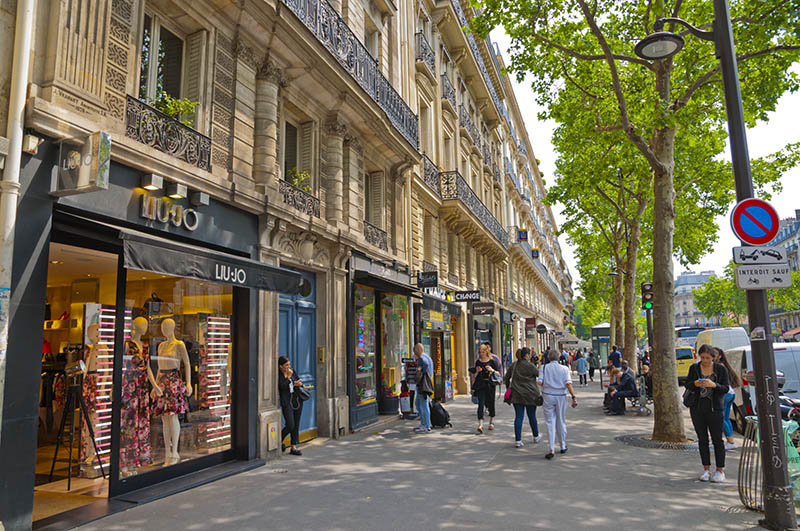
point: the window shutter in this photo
(376, 202)
(305, 138)
(289, 149)
(194, 77)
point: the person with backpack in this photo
(524, 393)
(486, 372)
(424, 379)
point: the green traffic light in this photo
(648, 306)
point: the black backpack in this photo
(440, 418)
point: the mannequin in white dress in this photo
(169, 388)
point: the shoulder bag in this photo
(507, 396)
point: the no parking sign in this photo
(755, 222)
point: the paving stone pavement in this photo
(457, 479)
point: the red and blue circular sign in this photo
(754, 221)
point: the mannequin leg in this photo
(176, 436)
(87, 439)
(167, 426)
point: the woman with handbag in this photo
(487, 376)
(706, 387)
(523, 392)
(290, 389)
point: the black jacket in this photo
(627, 386)
(283, 386)
(721, 378)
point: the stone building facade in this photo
(356, 131)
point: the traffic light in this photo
(647, 296)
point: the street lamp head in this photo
(659, 45)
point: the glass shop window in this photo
(176, 371)
(394, 329)
(366, 344)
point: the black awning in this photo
(158, 255)
(383, 284)
(438, 305)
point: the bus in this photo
(685, 336)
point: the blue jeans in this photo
(727, 427)
(519, 410)
(424, 409)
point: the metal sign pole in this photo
(778, 496)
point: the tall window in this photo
(427, 243)
(425, 127)
(374, 199)
(298, 164)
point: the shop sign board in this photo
(755, 221)
(482, 308)
(428, 279)
(436, 316)
(763, 276)
(468, 296)
(760, 255)
(535, 254)
(542, 329)
(522, 235)
(84, 164)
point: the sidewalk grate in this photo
(642, 440)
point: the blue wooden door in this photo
(297, 341)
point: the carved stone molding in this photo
(334, 126)
(302, 247)
(246, 54)
(354, 143)
(269, 71)
(342, 257)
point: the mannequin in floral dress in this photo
(137, 381)
(172, 389)
(89, 390)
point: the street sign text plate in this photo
(759, 255)
(763, 276)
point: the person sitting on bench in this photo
(625, 389)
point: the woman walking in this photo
(594, 364)
(707, 383)
(556, 381)
(581, 367)
(483, 386)
(734, 382)
(525, 394)
(291, 405)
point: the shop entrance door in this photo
(297, 341)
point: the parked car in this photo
(724, 338)
(787, 363)
(685, 357)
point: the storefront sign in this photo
(522, 235)
(436, 293)
(469, 296)
(166, 210)
(83, 165)
(482, 308)
(535, 254)
(436, 316)
(542, 329)
(428, 279)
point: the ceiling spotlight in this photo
(176, 190)
(151, 181)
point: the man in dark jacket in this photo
(625, 389)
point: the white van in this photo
(787, 363)
(724, 338)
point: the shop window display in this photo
(394, 327)
(366, 344)
(176, 398)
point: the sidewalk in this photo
(456, 479)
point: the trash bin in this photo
(751, 480)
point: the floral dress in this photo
(173, 399)
(135, 408)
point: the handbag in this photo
(303, 393)
(507, 396)
(425, 385)
(689, 398)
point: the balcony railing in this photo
(497, 177)
(523, 149)
(331, 31)
(487, 154)
(431, 175)
(425, 53)
(448, 92)
(376, 236)
(455, 187)
(298, 199)
(152, 127)
(469, 125)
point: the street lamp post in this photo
(777, 491)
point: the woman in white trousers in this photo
(556, 382)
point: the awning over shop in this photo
(158, 255)
(380, 276)
(438, 305)
(789, 334)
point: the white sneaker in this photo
(705, 476)
(718, 477)
(518, 444)
(731, 446)
(537, 438)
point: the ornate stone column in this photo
(269, 81)
(335, 131)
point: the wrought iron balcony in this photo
(376, 236)
(331, 31)
(466, 122)
(448, 92)
(152, 127)
(522, 149)
(431, 175)
(425, 53)
(298, 199)
(497, 177)
(455, 187)
(487, 154)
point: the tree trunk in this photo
(668, 415)
(615, 315)
(631, 257)
(619, 302)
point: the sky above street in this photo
(763, 139)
